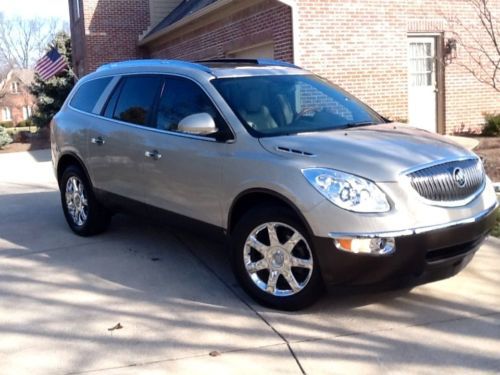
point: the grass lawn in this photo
(496, 229)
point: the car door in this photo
(184, 171)
(118, 137)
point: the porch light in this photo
(450, 50)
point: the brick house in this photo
(397, 56)
(16, 102)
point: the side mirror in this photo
(198, 123)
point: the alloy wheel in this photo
(278, 259)
(76, 201)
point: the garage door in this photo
(261, 51)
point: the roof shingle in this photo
(184, 9)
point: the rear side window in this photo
(136, 99)
(88, 94)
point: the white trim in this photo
(424, 34)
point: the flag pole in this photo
(75, 77)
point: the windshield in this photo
(288, 104)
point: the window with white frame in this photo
(14, 87)
(26, 112)
(6, 114)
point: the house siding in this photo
(362, 46)
(241, 27)
(108, 31)
(467, 99)
(15, 101)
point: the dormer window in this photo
(14, 87)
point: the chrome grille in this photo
(445, 183)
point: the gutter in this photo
(188, 19)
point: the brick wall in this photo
(466, 98)
(359, 44)
(108, 31)
(241, 27)
(362, 46)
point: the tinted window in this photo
(136, 99)
(285, 104)
(181, 98)
(88, 94)
(111, 103)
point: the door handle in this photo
(98, 140)
(155, 155)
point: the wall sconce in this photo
(450, 50)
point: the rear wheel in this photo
(274, 260)
(84, 214)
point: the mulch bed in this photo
(37, 142)
(489, 150)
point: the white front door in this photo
(422, 85)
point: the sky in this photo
(35, 8)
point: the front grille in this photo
(449, 182)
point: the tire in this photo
(256, 269)
(84, 214)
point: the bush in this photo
(7, 124)
(22, 136)
(24, 124)
(492, 127)
(5, 139)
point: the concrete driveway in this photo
(181, 310)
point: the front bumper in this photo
(422, 255)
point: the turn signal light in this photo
(373, 246)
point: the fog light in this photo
(374, 246)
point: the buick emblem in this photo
(459, 177)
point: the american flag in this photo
(50, 64)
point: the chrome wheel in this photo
(278, 259)
(76, 201)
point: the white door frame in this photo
(427, 95)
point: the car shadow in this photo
(164, 278)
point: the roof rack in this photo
(263, 62)
(149, 62)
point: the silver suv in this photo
(309, 185)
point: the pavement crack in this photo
(423, 324)
(188, 247)
(173, 359)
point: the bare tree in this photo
(22, 41)
(481, 45)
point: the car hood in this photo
(378, 152)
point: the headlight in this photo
(347, 191)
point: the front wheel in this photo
(84, 214)
(274, 260)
